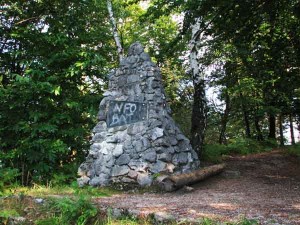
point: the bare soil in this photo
(264, 187)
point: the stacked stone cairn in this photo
(136, 138)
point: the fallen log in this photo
(174, 182)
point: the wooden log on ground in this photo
(174, 182)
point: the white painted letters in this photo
(124, 113)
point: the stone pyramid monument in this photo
(136, 137)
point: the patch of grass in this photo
(42, 190)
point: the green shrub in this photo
(214, 152)
(7, 178)
(245, 146)
(68, 211)
(294, 150)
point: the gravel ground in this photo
(265, 187)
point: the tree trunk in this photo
(199, 105)
(292, 129)
(224, 120)
(246, 119)
(258, 130)
(281, 130)
(198, 118)
(272, 127)
(175, 182)
(115, 30)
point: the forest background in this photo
(55, 57)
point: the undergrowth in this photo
(240, 146)
(79, 210)
(294, 150)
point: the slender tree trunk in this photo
(224, 120)
(246, 119)
(115, 30)
(258, 130)
(292, 129)
(272, 127)
(280, 121)
(199, 105)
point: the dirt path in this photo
(265, 187)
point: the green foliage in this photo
(244, 146)
(294, 150)
(5, 214)
(68, 211)
(51, 65)
(246, 221)
(241, 146)
(214, 152)
(7, 179)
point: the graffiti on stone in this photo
(124, 112)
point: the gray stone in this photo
(180, 137)
(118, 150)
(95, 147)
(98, 137)
(123, 160)
(112, 139)
(135, 49)
(82, 170)
(116, 213)
(182, 157)
(157, 133)
(132, 174)
(144, 179)
(127, 180)
(132, 59)
(161, 142)
(155, 123)
(39, 200)
(101, 168)
(163, 218)
(158, 167)
(83, 181)
(138, 145)
(138, 165)
(110, 160)
(108, 146)
(111, 93)
(91, 173)
(173, 140)
(100, 180)
(149, 97)
(116, 129)
(134, 129)
(119, 170)
(100, 127)
(133, 78)
(167, 157)
(149, 155)
(146, 143)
